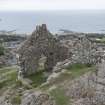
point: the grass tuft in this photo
(59, 96)
(37, 78)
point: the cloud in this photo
(51, 4)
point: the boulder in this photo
(36, 98)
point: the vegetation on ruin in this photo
(2, 50)
(37, 78)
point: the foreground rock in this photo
(29, 97)
(37, 98)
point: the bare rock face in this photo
(41, 43)
(37, 98)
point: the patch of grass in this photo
(9, 80)
(18, 83)
(79, 69)
(77, 66)
(2, 84)
(72, 72)
(59, 97)
(6, 69)
(2, 50)
(8, 77)
(16, 100)
(56, 81)
(37, 78)
(101, 40)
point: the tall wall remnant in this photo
(40, 43)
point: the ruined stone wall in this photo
(82, 49)
(41, 42)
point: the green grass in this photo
(74, 71)
(8, 75)
(2, 50)
(6, 69)
(78, 66)
(102, 40)
(59, 97)
(37, 78)
(9, 80)
(16, 100)
(79, 69)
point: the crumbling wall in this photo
(41, 42)
(82, 49)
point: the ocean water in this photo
(74, 20)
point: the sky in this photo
(18, 5)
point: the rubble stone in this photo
(37, 98)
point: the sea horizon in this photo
(91, 21)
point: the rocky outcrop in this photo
(37, 98)
(41, 43)
(29, 97)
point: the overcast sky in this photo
(51, 4)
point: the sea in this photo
(91, 21)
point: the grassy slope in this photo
(8, 76)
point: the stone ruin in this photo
(84, 50)
(40, 44)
